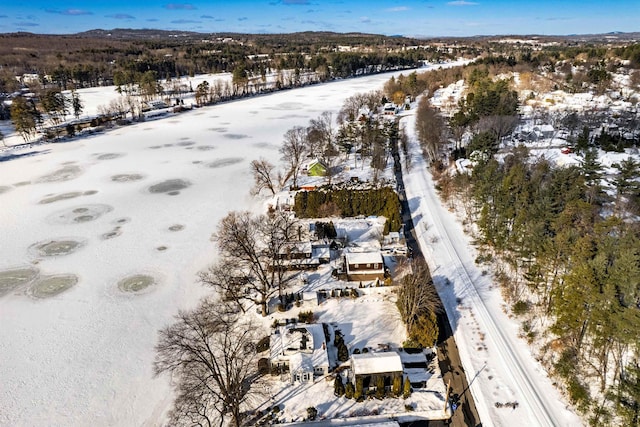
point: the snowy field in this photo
(104, 235)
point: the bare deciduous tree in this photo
(211, 354)
(501, 126)
(251, 267)
(262, 176)
(430, 129)
(294, 150)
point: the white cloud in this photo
(462, 3)
(397, 9)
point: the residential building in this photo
(364, 265)
(301, 349)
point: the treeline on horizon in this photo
(76, 61)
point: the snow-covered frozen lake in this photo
(111, 230)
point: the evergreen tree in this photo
(359, 391)
(25, 117)
(380, 387)
(396, 387)
(406, 389)
(628, 398)
(349, 390)
(338, 386)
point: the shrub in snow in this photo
(520, 307)
(263, 345)
(312, 413)
(306, 317)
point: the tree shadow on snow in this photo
(14, 156)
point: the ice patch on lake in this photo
(136, 283)
(50, 286)
(66, 196)
(13, 278)
(170, 186)
(225, 162)
(235, 136)
(109, 156)
(51, 248)
(67, 173)
(79, 214)
(127, 177)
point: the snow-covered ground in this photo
(499, 365)
(106, 215)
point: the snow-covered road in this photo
(499, 365)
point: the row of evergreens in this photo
(380, 202)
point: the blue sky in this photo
(411, 17)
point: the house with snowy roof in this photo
(316, 167)
(368, 367)
(364, 265)
(301, 349)
(297, 256)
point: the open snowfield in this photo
(104, 236)
(499, 365)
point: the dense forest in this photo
(94, 58)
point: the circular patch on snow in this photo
(136, 283)
(61, 196)
(109, 156)
(235, 136)
(224, 162)
(290, 106)
(111, 234)
(169, 186)
(79, 214)
(67, 173)
(60, 247)
(12, 278)
(127, 177)
(50, 286)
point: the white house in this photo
(370, 366)
(301, 349)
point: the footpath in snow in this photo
(500, 367)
